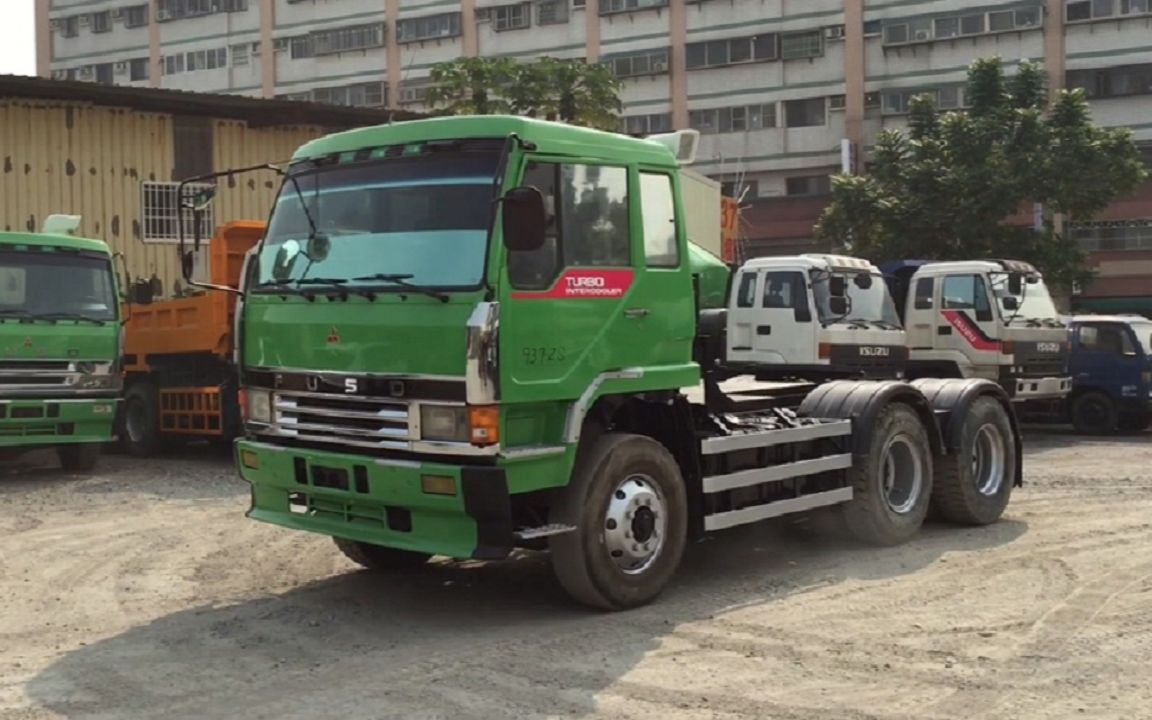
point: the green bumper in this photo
(379, 501)
(36, 422)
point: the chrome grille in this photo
(36, 374)
(361, 421)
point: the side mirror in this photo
(838, 305)
(837, 286)
(524, 219)
(1011, 303)
(318, 248)
(198, 203)
(862, 281)
(1016, 283)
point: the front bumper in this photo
(1024, 389)
(379, 501)
(28, 422)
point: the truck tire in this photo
(378, 557)
(892, 482)
(1093, 413)
(78, 458)
(140, 429)
(973, 484)
(628, 504)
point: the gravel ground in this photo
(142, 592)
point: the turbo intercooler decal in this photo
(584, 284)
(971, 331)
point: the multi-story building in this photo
(784, 91)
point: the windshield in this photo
(1143, 332)
(55, 284)
(864, 305)
(1035, 302)
(423, 219)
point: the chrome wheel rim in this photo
(635, 524)
(901, 475)
(988, 459)
(134, 421)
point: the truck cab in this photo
(1111, 365)
(992, 319)
(59, 344)
(814, 317)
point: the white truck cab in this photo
(991, 319)
(814, 316)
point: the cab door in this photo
(742, 315)
(1106, 357)
(966, 325)
(585, 306)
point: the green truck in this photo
(465, 336)
(60, 338)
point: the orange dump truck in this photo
(180, 381)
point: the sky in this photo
(18, 38)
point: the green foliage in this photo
(945, 188)
(571, 91)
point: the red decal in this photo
(333, 336)
(27, 342)
(586, 284)
(971, 332)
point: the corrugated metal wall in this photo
(71, 158)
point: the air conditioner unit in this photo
(56, 24)
(162, 15)
(120, 68)
(117, 13)
(922, 35)
(85, 20)
(59, 74)
(483, 15)
(86, 73)
(836, 32)
(659, 66)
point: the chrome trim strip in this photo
(721, 521)
(768, 438)
(533, 451)
(295, 425)
(580, 408)
(385, 415)
(336, 373)
(776, 473)
(482, 368)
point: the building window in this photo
(1113, 82)
(347, 39)
(801, 45)
(808, 185)
(69, 26)
(733, 119)
(162, 210)
(740, 189)
(609, 7)
(300, 47)
(805, 113)
(943, 27)
(135, 16)
(370, 94)
(174, 64)
(105, 73)
(414, 92)
(511, 17)
(717, 53)
(138, 69)
(102, 22)
(873, 28)
(949, 97)
(1113, 235)
(240, 54)
(552, 12)
(206, 59)
(647, 124)
(645, 62)
(432, 27)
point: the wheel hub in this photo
(988, 459)
(634, 524)
(901, 475)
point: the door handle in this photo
(763, 329)
(636, 312)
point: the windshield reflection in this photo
(871, 305)
(1035, 302)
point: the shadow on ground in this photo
(457, 640)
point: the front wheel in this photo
(78, 458)
(628, 504)
(974, 483)
(1094, 413)
(892, 486)
(140, 420)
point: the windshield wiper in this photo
(857, 323)
(68, 316)
(339, 284)
(402, 281)
(278, 284)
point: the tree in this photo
(944, 188)
(567, 90)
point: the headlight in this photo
(438, 422)
(260, 406)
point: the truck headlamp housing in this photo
(259, 405)
(444, 423)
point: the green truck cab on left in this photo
(59, 344)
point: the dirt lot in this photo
(142, 592)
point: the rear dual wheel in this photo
(974, 483)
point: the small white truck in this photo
(992, 319)
(814, 317)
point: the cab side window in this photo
(924, 289)
(1110, 339)
(658, 208)
(967, 292)
(587, 208)
(746, 296)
